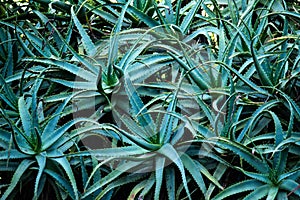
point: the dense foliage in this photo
(148, 99)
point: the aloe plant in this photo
(39, 144)
(151, 146)
(273, 178)
(181, 94)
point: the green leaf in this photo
(5, 139)
(24, 46)
(120, 182)
(86, 40)
(280, 158)
(101, 13)
(168, 123)
(9, 94)
(117, 152)
(51, 125)
(159, 169)
(114, 46)
(26, 118)
(135, 128)
(264, 178)
(188, 19)
(138, 109)
(290, 186)
(149, 185)
(170, 18)
(192, 71)
(255, 116)
(168, 151)
(272, 193)
(137, 189)
(64, 163)
(287, 13)
(264, 78)
(238, 188)
(282, 196)
(242, 78)
(110, 177)
(258, 193)
(24, 165)
(41, 160)
(243, 152)
(74, 69)
(46, 20)
(293, 174)
(49, 138)
(81, 59)
(61, 182)
(190, 165)
(160, 16)
(142, 17)
(12, 154)
(170, 182)
(218, 173)
(37, 41)
(136, 50)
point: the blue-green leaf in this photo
(110, 177)
(26, 118)
(67, 168)
(238, 188)
(86, 40)
(170, 182)
(258, 193)
(159, 169)
(190, 165)
(41, 160)
(24, 165)
(168, 151)
(188, 19)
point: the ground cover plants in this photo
(150, 99)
